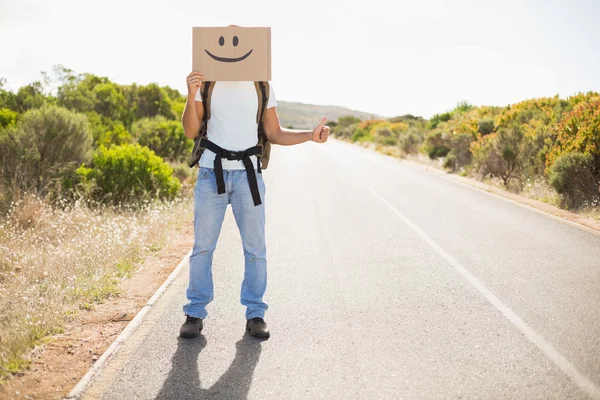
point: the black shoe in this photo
(191, 328)
(257, 328)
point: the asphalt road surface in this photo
(385, 282)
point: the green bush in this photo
(460, 145)
(385, 136)
(44, 143)
(410, 141)
(8, 117)
(437, 119)
(166, 138)
(346, 121)
(183, 172)
(361, 135)
(450, 161)
(118, 135)
(504, 154)
(436, 145)
(346, 132)
(388, 141)
(485, 126)
(438, 152)
(572, 177)
(128, 174)
(462, 107)
(579, 131)
(150, 101)
(365, 132)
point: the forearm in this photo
(189, 119)
(289, 137)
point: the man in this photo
(232, 127)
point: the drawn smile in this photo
(224, 59)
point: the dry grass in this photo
(540, 190)
(393, 151)
(593, 213)
(54, 262)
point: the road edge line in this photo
(131, 327)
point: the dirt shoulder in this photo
(57, 366)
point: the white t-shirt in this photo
(232, 124)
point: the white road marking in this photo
(583, 382)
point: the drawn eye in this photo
(235, 40)
(221, 40)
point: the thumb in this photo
(322, 123)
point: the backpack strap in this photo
(262, 90)
(206, 87)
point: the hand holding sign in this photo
(194, 80)
(321, 132)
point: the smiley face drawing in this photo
(232, 53)
(235, 42)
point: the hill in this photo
(306, 116)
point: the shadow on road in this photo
(183, 381)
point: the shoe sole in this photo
(259, 336)
(189, 335)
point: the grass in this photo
(592, 213)
(54, 262)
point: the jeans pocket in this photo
(202, 173)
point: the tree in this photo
(45, 142)
(460, 149)
(8, 117)
(110, 102)
(437, 144)
(573, 178)
(76, 93)
(343, 123)
(166, 138)
(437, 119)
(7, 98)
(149, 101)
(27, 97)
(462, 107)
(518, 147)
(499, 154)
(579, 132)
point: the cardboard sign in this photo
(232, 53)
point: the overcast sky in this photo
(383, 56)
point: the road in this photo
(385, 282)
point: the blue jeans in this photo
(209, 212)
